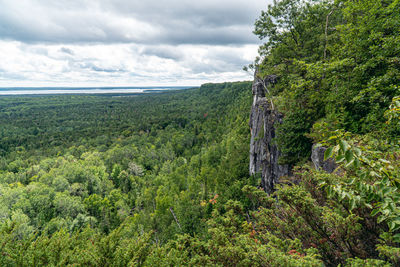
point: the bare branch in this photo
(176, 219)
(326, 32)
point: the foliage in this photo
(333, 62)
(99, 188)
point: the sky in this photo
(126, 42)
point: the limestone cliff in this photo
(264, 154)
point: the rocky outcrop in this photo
(264, 154)
(317, 157)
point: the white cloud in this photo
(122, 42)
(120, 64)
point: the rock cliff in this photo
(317, 157)
(264, 154)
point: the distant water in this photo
(85, 90)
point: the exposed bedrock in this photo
(264, 154)
(317, 157)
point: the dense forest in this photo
(162, 179)
(108, 180)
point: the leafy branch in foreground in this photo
(371, 179)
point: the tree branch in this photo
(326, 32)
(176, 219)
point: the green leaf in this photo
(329, 191)
(342, 195)
(352, 204)
(357, 151)
(397, 225)
(352, 181)
(391, 226)
(373, 174)
(348, 164)
(340, 159)
(380, 219)
(384, 161)
(343, 145)
(328, 153)
(349, 156)
(371, 197)
(356, 163)
(396, 238)
(386, 190)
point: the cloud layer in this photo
(123, 42)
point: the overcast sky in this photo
(126, 42)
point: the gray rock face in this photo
(264, 154)
(317, 157)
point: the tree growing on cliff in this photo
(333, 63)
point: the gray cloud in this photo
(124, 21)
(94, 67)
(5, 75)
(66, 51)
(126, 42)
(167, 52)
(218, 62)
(205, 12)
